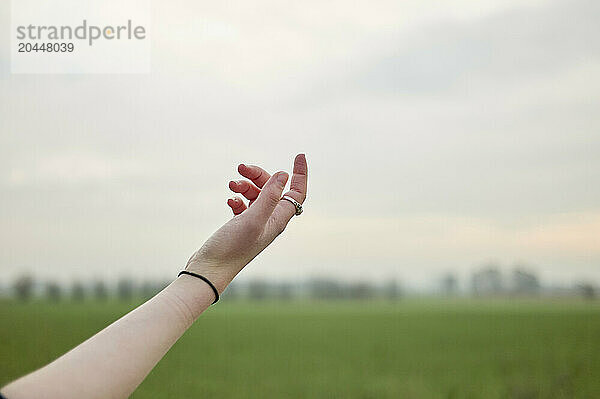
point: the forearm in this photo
(112, 363)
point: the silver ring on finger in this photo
(296, 204)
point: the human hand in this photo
(253, 227)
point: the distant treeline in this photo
(487, 281)
(490, 281)
(26, 287)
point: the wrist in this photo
(220, 275)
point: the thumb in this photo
(270, 195)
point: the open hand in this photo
(254, 226)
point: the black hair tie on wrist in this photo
(207, 281)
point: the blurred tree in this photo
(487, 281)
(361, 290)
(586, 290)
(149, 289)
(78, 291)
(391, 290)
(53, 291)
(99, 289)
(257, 289)
(125, 289)
(525, 282)
(319, 288)
(23, 287)
(284, 291)
(449, 284)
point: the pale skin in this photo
(112, 363)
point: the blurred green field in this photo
(411, 349)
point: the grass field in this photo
(412, 349)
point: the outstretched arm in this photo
(112, 363)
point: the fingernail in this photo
(282, 178)
(232, 182)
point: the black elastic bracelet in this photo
(207, 281)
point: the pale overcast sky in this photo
(439, 135)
